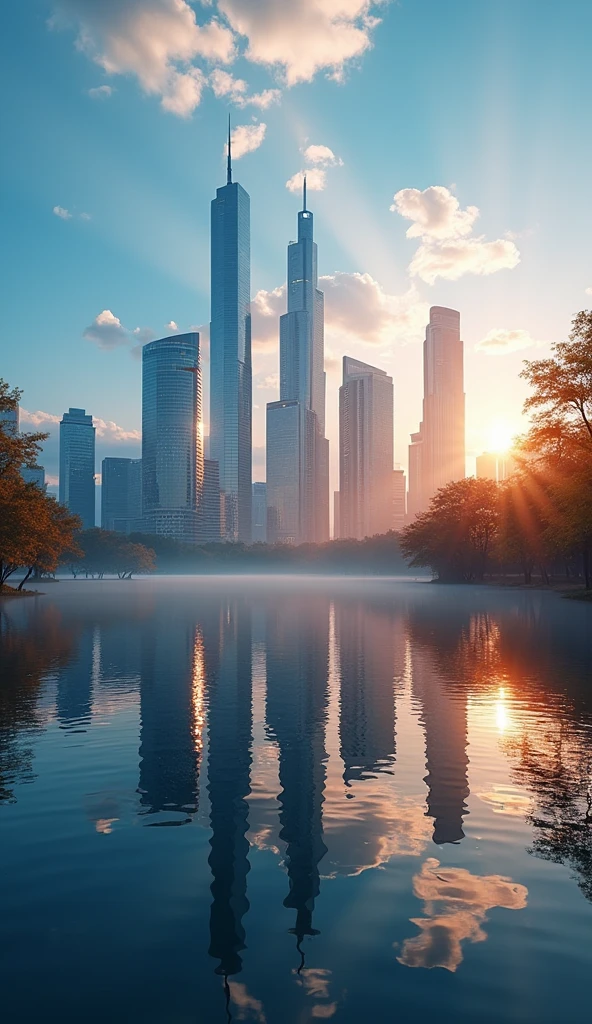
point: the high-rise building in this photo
(365, 450)
(297, 449)
(336, 515)
(34, 475)
(211, 521)
(259, 513)
(172, 443)
(437, 450)
(77, 465)
(399, 500)
(230, 353)
(121, 495)
(9, 419)
(487, 466)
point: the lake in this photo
(284, 800)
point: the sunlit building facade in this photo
(297, 449)
(230, 354)
(77, 465)
(365, 450)
(259, 513)
(437, 450)
(399, 517)
(172, 441)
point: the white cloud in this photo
(38, 418)
(108, 332)
(155, 40)
(321, 155)
(588, 291)
(107, 430)
(302, 37)
(499, 341)
(225, 85)
(452, 259)
(357, 309)
(101, 92)
(447, 247)
(171, 326)
(85, 216)
(269, 383)
(435, 212)
(245, 138)
(316, 180)
(60, 211)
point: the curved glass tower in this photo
(230, 354)
(172, 442)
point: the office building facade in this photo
(365, 450)
(259, 513)
(172, 437)
(34, 475)
(399, 500)
(230, 354)
(77, 465)
(121, 495)
(437, 450)
(211, 520)
(297, 449)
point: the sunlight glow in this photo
(500, 436)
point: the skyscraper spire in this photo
(229, 158)
(304, 193)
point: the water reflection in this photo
(359, 722)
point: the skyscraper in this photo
(259, 513)
(230, 353)
(365, 450)
(121, 495)
(77, 465)
(211, 521)
(172, 443)
(297, 449)
(437, 450)
(399, 500)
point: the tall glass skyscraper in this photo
(172, 437)
(297, 449)
(77, 465)
(365, 450)
(121, 495)
(437, 450)
(230, 354)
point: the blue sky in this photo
(488, 101)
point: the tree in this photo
(16, 449)
(454, 537)
(35, 530)
(559, 442)
(104, 551)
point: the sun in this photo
(500, 437)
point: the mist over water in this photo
(285, 799)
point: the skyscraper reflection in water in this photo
(444, 718)
(170, 747)
(227, 649)
(367, 669)
(296, 711)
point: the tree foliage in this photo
(16, 449)
(103, 551)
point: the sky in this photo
(448, 151)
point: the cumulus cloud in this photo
(303, 37)
(155, 40)
(452, 259)
(435, 212)
(225, 85)
(269, 383)
(316, 180)
(357, 309)
(101, 92)
(321, 155)
(245, 138)
(171, 326)
(447, 247)
(60, 211)
(110, 431)
(499, 341)
(38, 418)
(108, 332)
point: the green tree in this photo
(455, 536)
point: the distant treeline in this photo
(379, 555)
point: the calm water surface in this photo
(290, 800)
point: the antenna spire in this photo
(304, 192)
(229, 158)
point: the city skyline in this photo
(118, 204)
